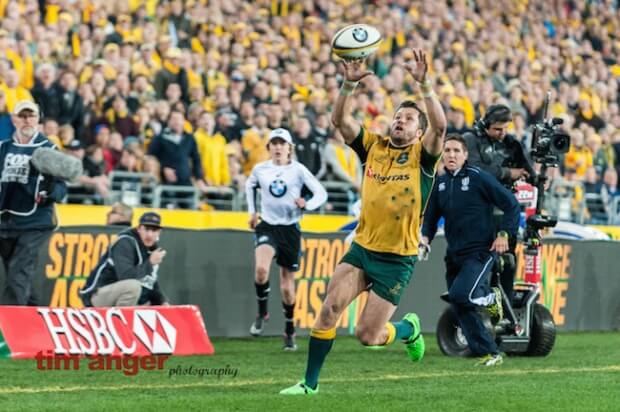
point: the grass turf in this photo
(582, 373)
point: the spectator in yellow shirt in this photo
(461, 102)
(254, 143)
(212, 149)
(579, 157)
(13, 91)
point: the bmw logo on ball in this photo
(277, 188)
(360, 34)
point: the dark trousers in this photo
(468, 285)
(20, 251)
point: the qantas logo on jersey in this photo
(382, 179)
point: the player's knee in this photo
(366, 336)
(262, 274)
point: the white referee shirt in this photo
(280, 186)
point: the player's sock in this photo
(391, 333)
(321, 342)
(403, 329)
(262, 296)
(289, 327)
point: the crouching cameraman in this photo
(127, 274)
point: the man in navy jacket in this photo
(465, 196)
(178, 155)
(27, 199)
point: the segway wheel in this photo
(542, 332)
(450, 338)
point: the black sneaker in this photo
(289, 343)
(257, 327)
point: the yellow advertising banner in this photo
(85, 215)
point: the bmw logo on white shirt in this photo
(277, 188)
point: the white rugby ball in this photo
(356, 41)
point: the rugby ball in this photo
(356, 41)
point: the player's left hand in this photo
(424, 250)
(500, 245)
(300, 202)
(418, 67)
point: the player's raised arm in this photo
(433, 139)
(342, 118)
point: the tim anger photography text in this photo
(203, 372)
(129, 365)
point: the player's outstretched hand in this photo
(353, 70)
(418, 67)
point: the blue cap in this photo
(151, 219)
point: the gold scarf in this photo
(171, 67)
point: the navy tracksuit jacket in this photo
(466, 200)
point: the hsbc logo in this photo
(104, 332)
(154, 331)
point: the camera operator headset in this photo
(502, 155)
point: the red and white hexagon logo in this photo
(154, 331)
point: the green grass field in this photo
(581, 374)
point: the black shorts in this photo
(285, 240)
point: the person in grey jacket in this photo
(495, 151)
(127, 274)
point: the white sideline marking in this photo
(448, 374)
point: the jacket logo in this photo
(154, 331)
(465, 184)
(442, 186)
(16, 168)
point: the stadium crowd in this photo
(189, 90)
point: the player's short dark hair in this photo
(422, 119)
(457, 137)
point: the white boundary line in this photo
(234, 383)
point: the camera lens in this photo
(560, 142)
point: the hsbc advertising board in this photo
(134, 331)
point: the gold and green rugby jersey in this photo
(396, 187)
